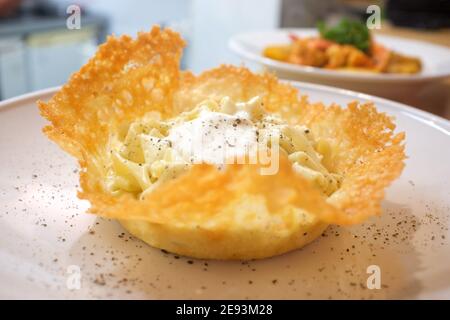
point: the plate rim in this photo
(425, 116)
(33, 95)
(233, 45)
(394, 105)
(20, 101)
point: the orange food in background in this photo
(323, 53)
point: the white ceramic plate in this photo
(46, 238)
(435, 59)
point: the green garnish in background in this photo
(347, 32)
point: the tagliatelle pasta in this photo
(202, 210)
(153, 151)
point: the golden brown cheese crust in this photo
(128, 78)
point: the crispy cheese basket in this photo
(206, 212)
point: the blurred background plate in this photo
(435, 59)
(49, 245)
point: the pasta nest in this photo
(235, 213)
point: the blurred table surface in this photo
(436, 98)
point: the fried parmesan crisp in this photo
(235, 213)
